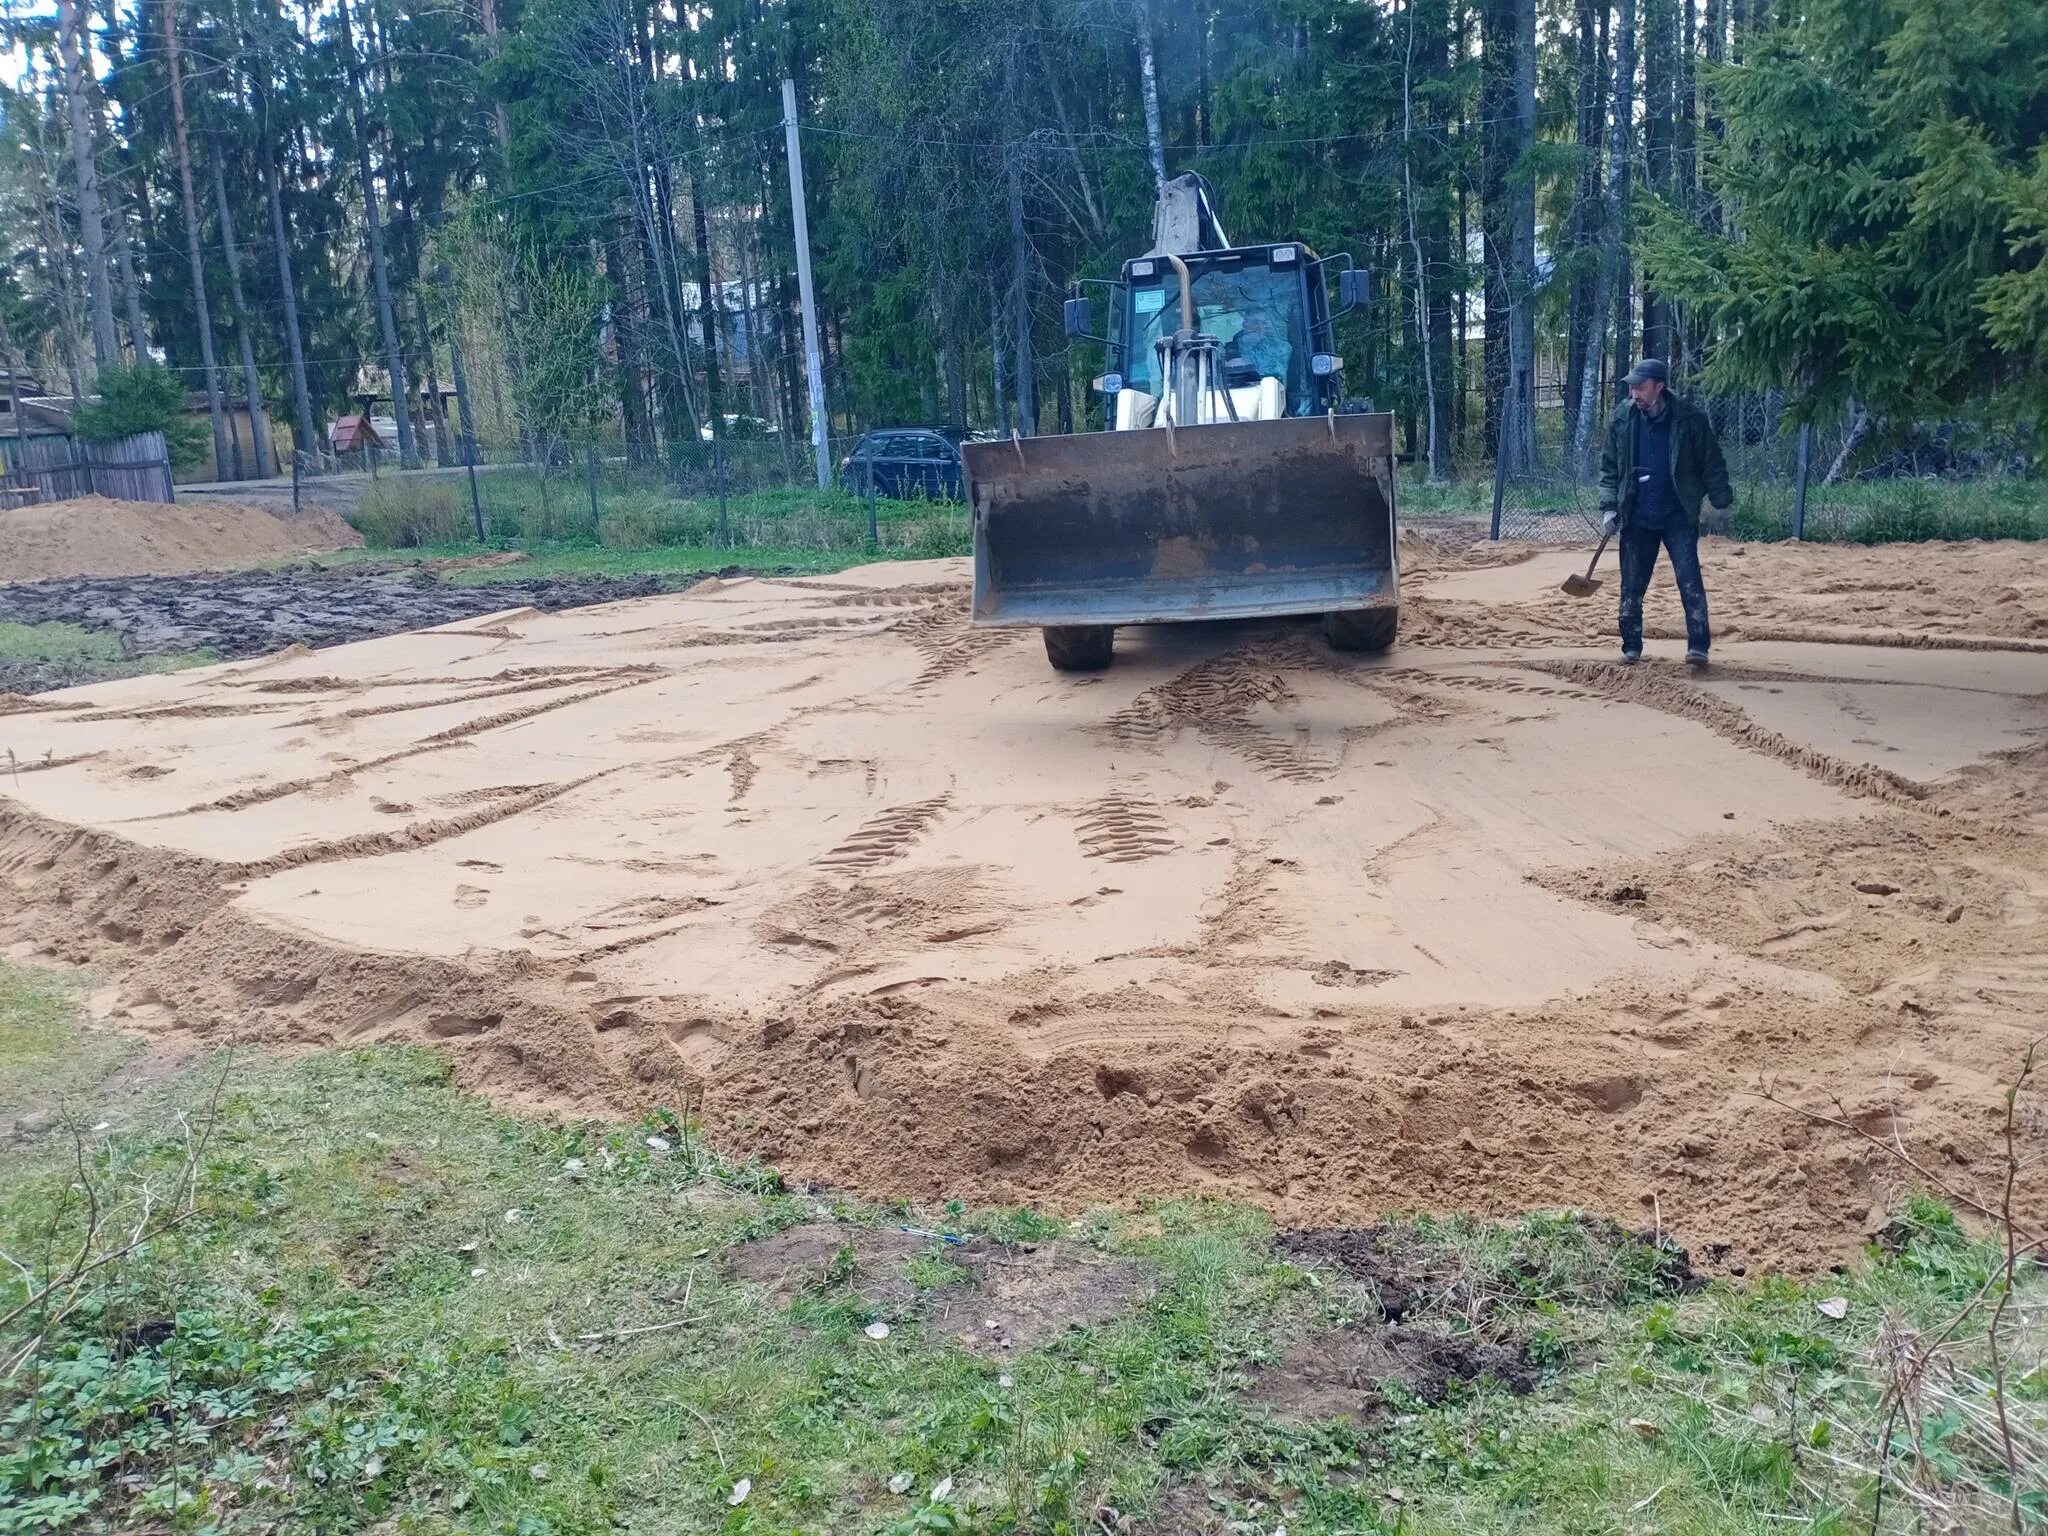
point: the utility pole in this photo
(814, 367)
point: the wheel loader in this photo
(1231, 480)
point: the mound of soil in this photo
(97, 536)
(1488, 923)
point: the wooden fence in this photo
(54, 468)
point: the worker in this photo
(1257, 344)
(1661, 460)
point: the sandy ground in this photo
(1487, 923)
(97, 536)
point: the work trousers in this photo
(1639, 548)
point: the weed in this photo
(396, 1308)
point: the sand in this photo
(1487, 923)
(97, 536)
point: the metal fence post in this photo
(874, 530)
(476, 506)
(295, 482)
(1500, 466)
(590, 458)
(718, 473)
(1799, 485)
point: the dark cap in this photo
(1648, 368)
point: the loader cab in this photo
(1264, 304)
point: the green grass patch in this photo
(58, 655)
(393, 1308)
(524, 510)
(44, 1054)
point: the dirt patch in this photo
(258, 613)
(1576, 1260)
(1006, 1297)
(97, 536)
(1027, 1295)
(1358, 1372)
(870, 1262)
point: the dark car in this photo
(909, 462)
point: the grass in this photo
(57, 655)
(522, 510)
(375, 1319)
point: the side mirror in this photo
(1354, 287)
(1079, 316)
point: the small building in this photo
(355, 433)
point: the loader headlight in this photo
(1110, 383)
(1325, 364)
(1144, 268)
(1283, 254)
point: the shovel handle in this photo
(1604, 537)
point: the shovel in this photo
(1576, 585)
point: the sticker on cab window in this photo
(1149, 301)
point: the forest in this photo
(514, 223)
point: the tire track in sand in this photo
(1654, 689)
(887, 835)
(1214, 698)
(1123, 828)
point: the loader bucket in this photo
(1232, 521)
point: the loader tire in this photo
(1362, 629)
(1079, 647)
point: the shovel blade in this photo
(1576, 585)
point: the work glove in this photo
(1610, 520)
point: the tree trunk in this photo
(1660, 22)
(1522, 335)
(1020, 304)
(117, 213)
(1424, 337)
(57, 261)
(501, 125)
(1612, 255)
(436, 408)
(305, 427)
(445, 279)
(997, 386)
(224, 450)
(626, 337)
(373, 223)
(1584, 226)
(92, 228)
(259, 418)
(1148, 78)
(707, 310)
(1499, 132)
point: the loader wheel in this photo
(1079, 647)
(1362, 629)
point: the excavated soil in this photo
(240, 614)
(1487, 923)
(98, 536)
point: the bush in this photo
(142, 397)
(406, 514)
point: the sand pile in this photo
(98, 536)
(1487, 923)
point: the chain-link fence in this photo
(1848, 479)
(1852, 479)
(757, 499)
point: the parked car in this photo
(909, 462)
(742, 429)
